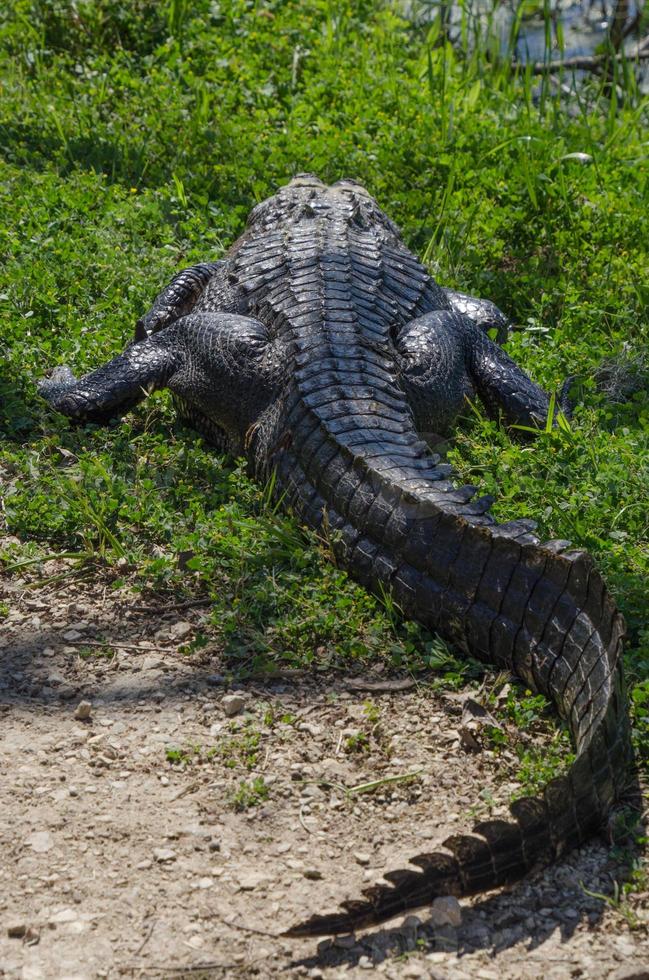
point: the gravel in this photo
(117, 861)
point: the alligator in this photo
(321, 348)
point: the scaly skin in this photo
(321, 348)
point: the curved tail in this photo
(500, 852)
(498, 592)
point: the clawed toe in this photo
(61, 377)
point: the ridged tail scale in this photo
(351, 457)
(544, 615)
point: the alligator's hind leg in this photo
(483, 312)
(446, 357)
(502, 386)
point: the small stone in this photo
(83, 711)
(309, 728)
(365, 963)
(415, 970)
(179, 630)
(164, 854)
(144, 865)
(63, 916)
(631, 971)
(446, 911)
(72, 635)
(40, 841)
(248, 882)
(16, 930)
(361, 858)
(233, 704)
(313, 874)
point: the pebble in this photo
(415, 970)
(164, 854)
(83, 711)
(179, 630)
(233, 704)
(309, 728)
(631, 972)
(248, 882)
(40, 841)
(63, 916)
(361, 858)
(446, 911)
(16, 930)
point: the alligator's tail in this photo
(499, 593)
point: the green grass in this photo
(249, 794)
(135, 138)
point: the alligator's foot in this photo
(60, 380)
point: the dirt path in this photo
(131, 849)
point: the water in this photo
(584, 24)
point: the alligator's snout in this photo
(306, 180)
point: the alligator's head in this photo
(306, 196)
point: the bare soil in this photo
(120, 862)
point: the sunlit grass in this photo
(136, 137)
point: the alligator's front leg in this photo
(117, 386)
(217, 362)
(177, 299)
(445, 357)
